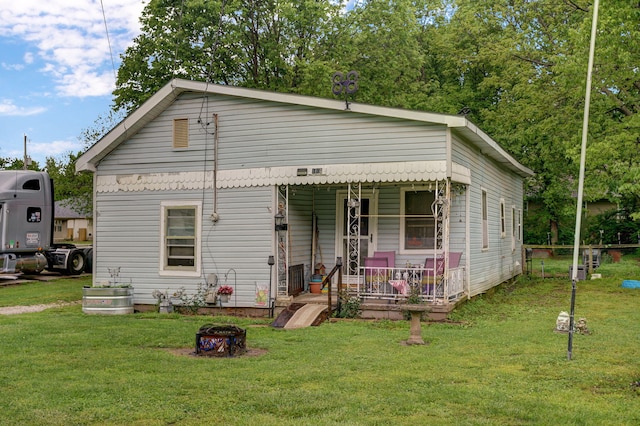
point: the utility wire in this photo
(113, 64)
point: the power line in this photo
(104, 18)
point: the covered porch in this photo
(391, 241)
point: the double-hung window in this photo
(180, 232)
(418, 224)
(485, 219)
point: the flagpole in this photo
(583, 155)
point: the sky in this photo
(57, 70)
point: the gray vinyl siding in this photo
(274, 135)
(498, 263)
(389, 219)
(236, 247)
(300, 226)
(325, 208)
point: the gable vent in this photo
(181, 133)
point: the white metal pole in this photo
(583, 154)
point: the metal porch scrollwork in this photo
(440, 210)
(353, 230)
(283, 242)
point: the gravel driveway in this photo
(13, 310)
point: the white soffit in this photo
(415, 171)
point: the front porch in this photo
(391, 243)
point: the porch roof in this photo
(410, 171)
(414, 171)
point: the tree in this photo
(254, 43)
(76, 189)
(515, 68)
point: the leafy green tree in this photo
(253, 43)
(18, 164)
(76, 189)
(515, 68)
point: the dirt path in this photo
(13, 310)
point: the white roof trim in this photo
(167, 94)
(416, 171)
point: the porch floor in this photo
(376, 308)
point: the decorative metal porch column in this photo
(441, 213)
(353, 231)
(283, 241)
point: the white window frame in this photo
(519, 225)
(484, 215)
(514, 228)
(402, 248)
(181, 271)
(503, 219)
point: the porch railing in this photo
(296, 279)
(400, 283)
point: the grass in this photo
(498, 362)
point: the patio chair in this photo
(376, 273)
(389, 255)
(432, 276)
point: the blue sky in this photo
(56, 72)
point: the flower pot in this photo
(315, 287)
(107, 300)
(224, 298)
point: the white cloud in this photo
(12, 67)
(8, 108)
(52, 149)
(70, 38)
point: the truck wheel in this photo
(75, 262)
(88, 257)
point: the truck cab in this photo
(26, 227)
(26, 211)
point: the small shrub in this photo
(415, 298)
(191, 303)
(350, 306)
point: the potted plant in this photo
(224, 292)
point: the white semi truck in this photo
(26, 227)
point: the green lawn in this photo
(498, 362)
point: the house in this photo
(69, 224)
(208, 185)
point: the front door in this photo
(368, 230)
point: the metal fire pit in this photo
(220, 340)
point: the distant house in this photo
(207, 184)
(71, 225)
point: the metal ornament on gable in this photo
(347, 85)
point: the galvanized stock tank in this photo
(107, 300)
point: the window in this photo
(519, 225)
(485, 220)
(32, 185)
(181, 133)
(418, 224)
(180, 238)
(514, 228)
(503, 220)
